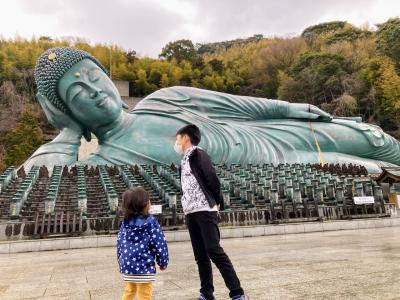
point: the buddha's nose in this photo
(95, 93)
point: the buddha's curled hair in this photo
(52, 65)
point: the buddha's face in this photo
(90, 94)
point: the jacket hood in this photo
(138, 223)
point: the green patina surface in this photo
(79, 98)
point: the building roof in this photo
(390, 175)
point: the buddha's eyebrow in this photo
(91, 72)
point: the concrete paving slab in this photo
(346, 264)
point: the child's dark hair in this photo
(192, 131)
(135, 203)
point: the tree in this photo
(209, 83)
(131, 56)
(24, 138)
(198, 62)
(388, 39)
(268, 61)
(348, 33)
(211, 48)
(2, 62)
(187, 73)
(344, 106)
(383, 82)
(217, 65)
(180, 50)
(44, 38)
(155, 77)
(164, 80)
(388, 85)
(318, 75)
(142, 86)
(312, 32)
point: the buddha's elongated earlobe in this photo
(124, 105)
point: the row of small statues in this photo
(339, 169)
(342, 169)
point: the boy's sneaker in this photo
(202, 297)
(241, 297)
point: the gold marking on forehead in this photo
(77, 74)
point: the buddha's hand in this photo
(56, 117)
(307, 111)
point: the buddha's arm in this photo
(225, 106)
(60, 151)
(252, 108)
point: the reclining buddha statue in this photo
(80, 99)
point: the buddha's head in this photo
(78, 85)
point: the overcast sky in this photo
(147, 25)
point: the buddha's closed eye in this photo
(75, 91)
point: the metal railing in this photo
(62, 224)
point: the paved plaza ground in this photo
(351, 264)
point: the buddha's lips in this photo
(101, 101)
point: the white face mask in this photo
(178, 148)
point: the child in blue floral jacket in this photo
(140, 243)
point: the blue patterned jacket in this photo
(141, 243)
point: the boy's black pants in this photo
(205, 237)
